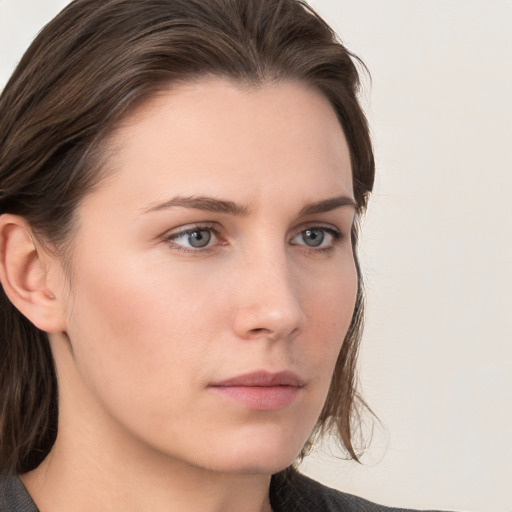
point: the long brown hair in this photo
(87, 69)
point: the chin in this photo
(252, 465)
(257, 454)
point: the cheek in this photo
(139, 348)
(330, 306)
(331, 301)
(129, 328)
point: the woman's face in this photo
(213, 278)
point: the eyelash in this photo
(337, 237)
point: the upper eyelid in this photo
(319, 225)
(336, 233)
(187, 228)
(340, 219)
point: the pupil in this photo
(314, 237)
(199, 238)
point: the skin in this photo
(149, 323)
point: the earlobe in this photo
(24, 274)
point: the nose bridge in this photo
(269, 302)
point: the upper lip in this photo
(263, 379)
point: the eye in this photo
(313, 237)
(321, 238)
(200, 237)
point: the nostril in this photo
(258, 330)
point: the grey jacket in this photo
(289, 492)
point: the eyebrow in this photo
(210, 204)
(327, 205)
(205, 203)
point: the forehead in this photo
(217, 137)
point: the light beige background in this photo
(436, 362)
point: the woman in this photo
(181, 182)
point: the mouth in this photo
(261, 390)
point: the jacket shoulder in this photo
(291, 491)
(13, 495)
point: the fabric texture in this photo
(14, 497)
(289, 492)
(292, 492)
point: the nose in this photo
(268, 299)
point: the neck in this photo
(90, 480)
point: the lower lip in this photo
(260, 398)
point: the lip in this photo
(261, 390)
(264, 379)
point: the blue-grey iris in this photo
(313, 237)
(199, 238)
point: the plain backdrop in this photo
(436, 359)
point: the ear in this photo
(29, 275)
